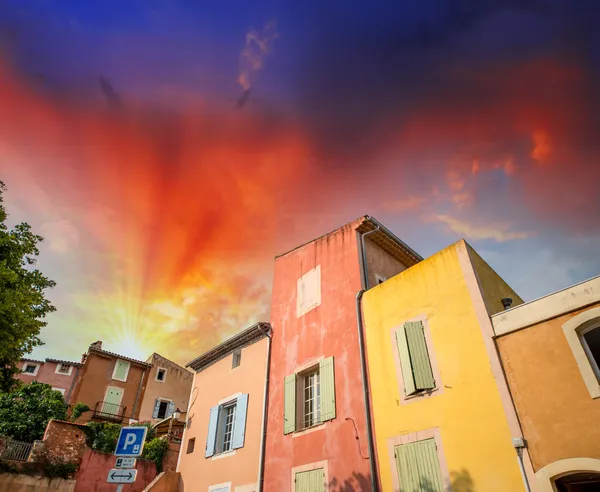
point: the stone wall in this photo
(64, 442)
(25, 483)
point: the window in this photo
(309, 397)
(62, 391)
(310, 481)
(415, 364)
(64, 369)
(237, 359)
(227, 426)
(121, 370)
(308, 291)
(31, 369)
(591, 344)
(163, 408)
(418, 466)
(190, 446)
(161, 374)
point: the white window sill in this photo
(226, 454)
(310, 430)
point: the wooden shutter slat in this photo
(289, 404)
(418, 467)
(212, 432)
(419, 356)
(239, 427)
(327, 388)
(405, 365)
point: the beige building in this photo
(168, 388)
(550, 351)
(223, 444)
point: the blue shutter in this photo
(170, 409)
(212, 432)
(239, 426)
(156, 407)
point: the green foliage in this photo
(23, 305)
(59, 470)
(151, 432)
(102, 436)
(156, 450)
(25, 413)
(78, 410)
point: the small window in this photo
(310, 386)
(64, 369)
(121, 370)
(30, 369)
(161, 374)
(190, 446)
(591, 339)
(237, 359)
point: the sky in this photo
(167, 150)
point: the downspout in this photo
(261, 463)
(363, 364)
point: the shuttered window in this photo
(310, 481)
(418, 467)
(309, 397)
(121, 370)
(227, 426)
(414, 358)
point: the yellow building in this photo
(442, 413)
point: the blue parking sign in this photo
(131, 441)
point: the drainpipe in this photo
(365, 384)
(363, 361)
(519, 444)
(261, 464)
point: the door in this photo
(112, 401)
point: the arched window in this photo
(590, 339)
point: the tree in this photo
(25, 413)
(23, 305)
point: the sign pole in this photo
(120, 487)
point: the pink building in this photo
(318, 430)
(60, 374)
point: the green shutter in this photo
(310, 481)
(289, 404)
(327, 389)
(418, 467)
(419, 357)
(407, 372)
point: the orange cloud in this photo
(541, 146)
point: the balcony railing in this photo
(109, 411)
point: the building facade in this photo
(441, 410)
(60, 374)
(112, 385)
(167, 389)
(222, 445)
(317, 431)
(550, 350)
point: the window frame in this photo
(301, 378)
(126, 372)
(439, 387)
(311, 467)
(35, 371)
(158, 369)
(61, 373)
(236, 356)
(222, 426)
(573, 329)
(191, 440)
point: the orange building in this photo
(112, 385)
(223, 448)
(550, 350)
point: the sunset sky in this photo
(168, 149)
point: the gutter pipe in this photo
(363, 364)
(261, 464)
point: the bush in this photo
(59, 470)
(78, 410)
(156, 450)
(102, 436)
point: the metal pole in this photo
(120, 487)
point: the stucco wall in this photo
(25, 483)
(64, 442)
(96, 376)
(559, 417)
(327, 330)
(492, 286)
(212, 385)
(175, 387)
(47, 374)
(380, 263)
(467, 410)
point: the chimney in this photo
(83, 358)
(507, 302)
(97, 345)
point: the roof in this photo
(25, 359)
(167, 359)
(383, 237)
(245, 337)
(59, 361)
(119, 356)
